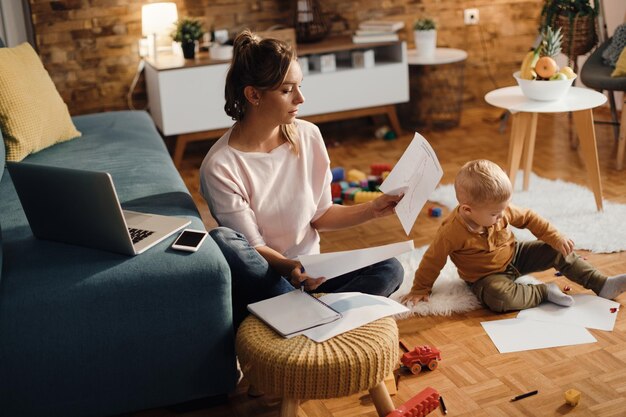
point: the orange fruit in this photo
(546, 67)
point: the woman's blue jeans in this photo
(254, 280)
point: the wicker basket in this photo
(579, 35)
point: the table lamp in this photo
(157, 19)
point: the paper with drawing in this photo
(588, 311)
(334, 264)
(416, 174)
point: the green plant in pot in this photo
(187, 32)
(576, 18)
(425, 36)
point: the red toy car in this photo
(421, 356)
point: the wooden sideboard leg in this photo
(382, 400)
(392, 114)
(289, 407)
(583, 120)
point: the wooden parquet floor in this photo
(473, 377)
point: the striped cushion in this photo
(33, 115)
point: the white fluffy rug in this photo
(450, 294)
(570, 208)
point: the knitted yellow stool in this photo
(299, 368)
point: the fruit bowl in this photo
(544, 90)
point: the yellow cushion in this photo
(620, 66)
(33, 115)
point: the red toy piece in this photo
(378, 169)
(613, 310)
(420, 356)
(335, 190)
(567, 288)
(419, 405)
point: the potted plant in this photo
(187, 32)
(425, 36)
(576, 18)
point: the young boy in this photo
(477, 238)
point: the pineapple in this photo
(551, 42)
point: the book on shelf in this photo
(292, 313)
(383, 25)
(387, 37)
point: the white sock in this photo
(556, 296)
(613, 286)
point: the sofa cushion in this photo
(611, 54)
(33, 115)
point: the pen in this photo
(301, 282)
(443, 405)
(527, 394)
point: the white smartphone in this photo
(189, 240)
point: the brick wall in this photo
(90, 46)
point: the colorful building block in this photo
(378, 169)
(338, 174)
(434, 211)
(572, 397)
(422, 404)
(335, 190)
(365, 196)
(356, 175)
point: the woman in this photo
(267, 182)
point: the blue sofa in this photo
(85, 332)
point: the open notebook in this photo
(291, 313)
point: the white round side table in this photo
(579, 101)
(436, 87)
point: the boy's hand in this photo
(413, 298)
(565, 246)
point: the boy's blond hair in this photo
(482, 182)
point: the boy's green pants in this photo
(500, 293)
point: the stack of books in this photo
(377, 31)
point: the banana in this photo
(528, 64)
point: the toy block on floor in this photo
(365, 196)
(419, 405)
(354, 175)
(572, 397)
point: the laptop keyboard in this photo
(138, 235)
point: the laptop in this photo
(81, 207)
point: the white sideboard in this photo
(186, 97)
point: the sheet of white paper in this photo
(334, 264)
(588, 311)
(417, 174)
(516, 335)
(357, 309)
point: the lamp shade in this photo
(158, 18)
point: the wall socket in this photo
(471, 16)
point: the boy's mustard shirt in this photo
(478, 255)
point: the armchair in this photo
(595, 74)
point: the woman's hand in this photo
(299, 278)
(385, 205)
